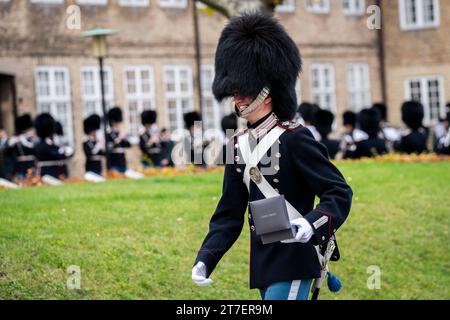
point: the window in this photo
(91, 91)
(139, 95)
(358, 86)
(318, 6)
(212, 110)
(430, 92)
(179, 94)
(419, 14)
(47, 1)
(286, 6)
(53, 96)
(93, 2)
(173, 3)
(323, 86)
(134, 3)
(353, 7)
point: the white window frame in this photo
(318, 6)
(420, 23)
(53, 99)
(219, 109)
(353, 9)
(178, 95)
(358, 86)
(425, 96)
(92, 2)
(320, 93)
(178, 4)
(138, 97)
(96, 96)
(48, 1)
(134, 3)
(287, 6)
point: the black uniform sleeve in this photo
(327, 183)
(228, 219)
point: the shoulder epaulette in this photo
(289, 125)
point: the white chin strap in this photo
(246, 110)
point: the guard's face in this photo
(242, 102)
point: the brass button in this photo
(277, 168)
(236, 146)
(323, 238)
(253, 228)
(237, 158)
(239, 170)
(249, 216)
(277, 191)
(276, 180)
(278, 155)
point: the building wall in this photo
(414, 53)
(35, 35)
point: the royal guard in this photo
(117, 142)
(369, 122)
(153, 153)
(414, 138)
(22, 147)
(93, 148)
(276, 165)
(324, 124)
(51, 158)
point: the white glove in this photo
(199, 275)
(304, 231)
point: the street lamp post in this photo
(100, 51)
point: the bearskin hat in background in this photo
(382, 109)
(229, 122)
(412, 114)
(190, 118)
(369, 122)
(91, 123)
(349, 118)
(115, 115)
(308, 112)
(254, 52)
(148, 117)
(323, 122)
(59, 131)
(23, 123)
(45, 126)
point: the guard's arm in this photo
(311, 160)
(227, 221)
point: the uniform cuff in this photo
(321, 222)
(208, 258)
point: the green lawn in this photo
(138, 239)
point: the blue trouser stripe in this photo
(281, 290)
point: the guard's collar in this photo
(262, 126)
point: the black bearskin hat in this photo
(229, 122)
(190, 118)
(115, 115)
(308, 111)
(59, 131)
(23, 123)
(323, 122)
(45, 126)
(412, 114)
(254, 52)
(91, 123)
(148, 117)
(382, 109)
(369, 122)
(349, 118)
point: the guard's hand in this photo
(304, 231)
(199, 275)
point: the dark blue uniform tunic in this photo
(303, 172)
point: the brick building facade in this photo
(46, 66)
